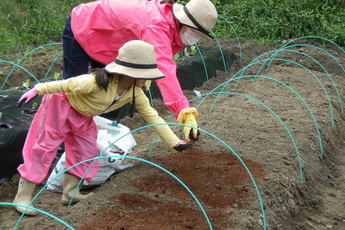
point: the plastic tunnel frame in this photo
(224, 84)
(300, 38)
(334, 85)
(213, 136)
(20, 67)
(40, 211)
(52, 64)
(101, 157)
(203, 61)
(221, 52)
(147, 126)
(322, 50)
(30, 52)
(234, 31)
(301, 176)
(261, 103)
(318, 134)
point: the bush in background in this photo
(276, 20)
(29, 23)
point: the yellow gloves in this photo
(187, 117)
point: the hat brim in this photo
(143, 74)
(181, 16)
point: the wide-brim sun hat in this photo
(201, 15)
(136, 59)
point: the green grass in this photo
(29, 23)
(277, 20)
(26, 24)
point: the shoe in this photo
(69, 185)
(24, 196)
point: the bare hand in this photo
(28, 96)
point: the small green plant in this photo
(181, 2)
(57, 76)
(34, 106)
(26, 83)
(189, 50)
(177, 56)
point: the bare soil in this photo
(145, 197)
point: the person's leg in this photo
(40, 147)
(43, 139)
(80, 146)
(24, 196)
(75, 60)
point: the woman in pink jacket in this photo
(66, 115)
(96, 30)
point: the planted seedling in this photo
(26, 83)
(56, 76)
(34, 106)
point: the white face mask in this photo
(189, 37)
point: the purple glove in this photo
(28, 96)
(182, 145)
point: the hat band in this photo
(136, 66)
(195, 22)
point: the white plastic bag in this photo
(108, 132)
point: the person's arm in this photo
(151, 116)
(169, 86)
(82, 84)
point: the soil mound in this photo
(295, 155)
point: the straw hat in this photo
(200, 15)
(136, 59)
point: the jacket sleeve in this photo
(82, 84)
(169, 86)
(151, 116)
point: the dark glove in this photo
(182, 145)
(28, 96)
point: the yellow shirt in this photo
(86, 97)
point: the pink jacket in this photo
(102, 27)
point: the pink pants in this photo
(54, 123)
